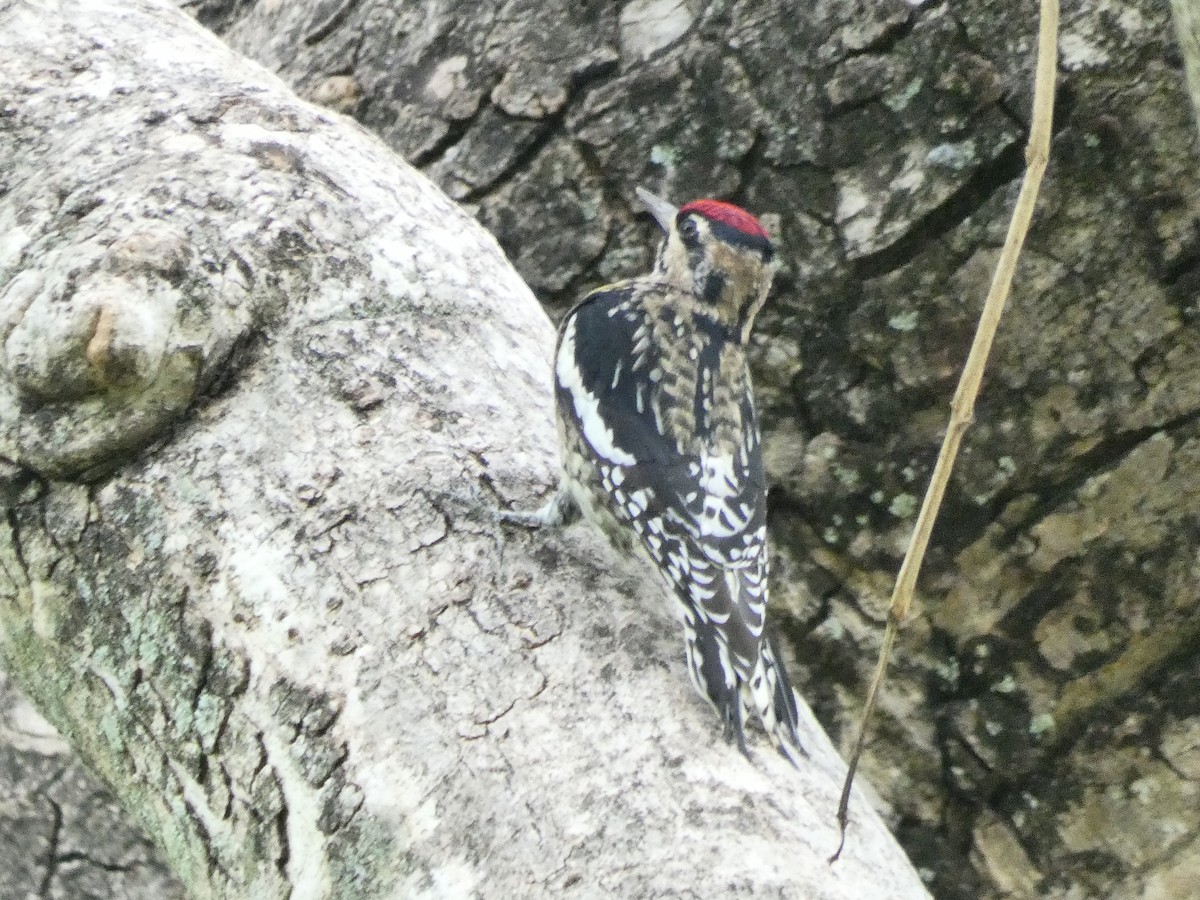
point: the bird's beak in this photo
(663, 212)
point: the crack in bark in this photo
(539, 142)
(321, 30)
(211, 861)
(939, 221)
(281, 831)
(207, 652)
(1100, 459)
(52, 857)
(79, 856)
(456, 130)
(553, 128)
(14, 527)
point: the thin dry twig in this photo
(962, 407)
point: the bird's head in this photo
(717, 252)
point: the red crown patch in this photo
(727, 214)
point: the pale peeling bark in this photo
(252, 367)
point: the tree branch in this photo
(251, 364)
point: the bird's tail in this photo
(775, 702)
(715, 678)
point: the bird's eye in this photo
(689, 231)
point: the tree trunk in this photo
(258, 379)
(1038, 733)
(1187, 28)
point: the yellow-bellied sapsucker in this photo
(661, 446)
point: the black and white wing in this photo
(695, 503)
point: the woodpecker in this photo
(661, 447)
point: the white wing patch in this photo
(587, 408)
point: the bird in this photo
(661, 448)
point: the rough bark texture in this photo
(257, 378)
(63, 835)
(1186, 14)
(1040, 732)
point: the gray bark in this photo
(257, 378)
(63, 836)
(1186, 14)
(1039, 732)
